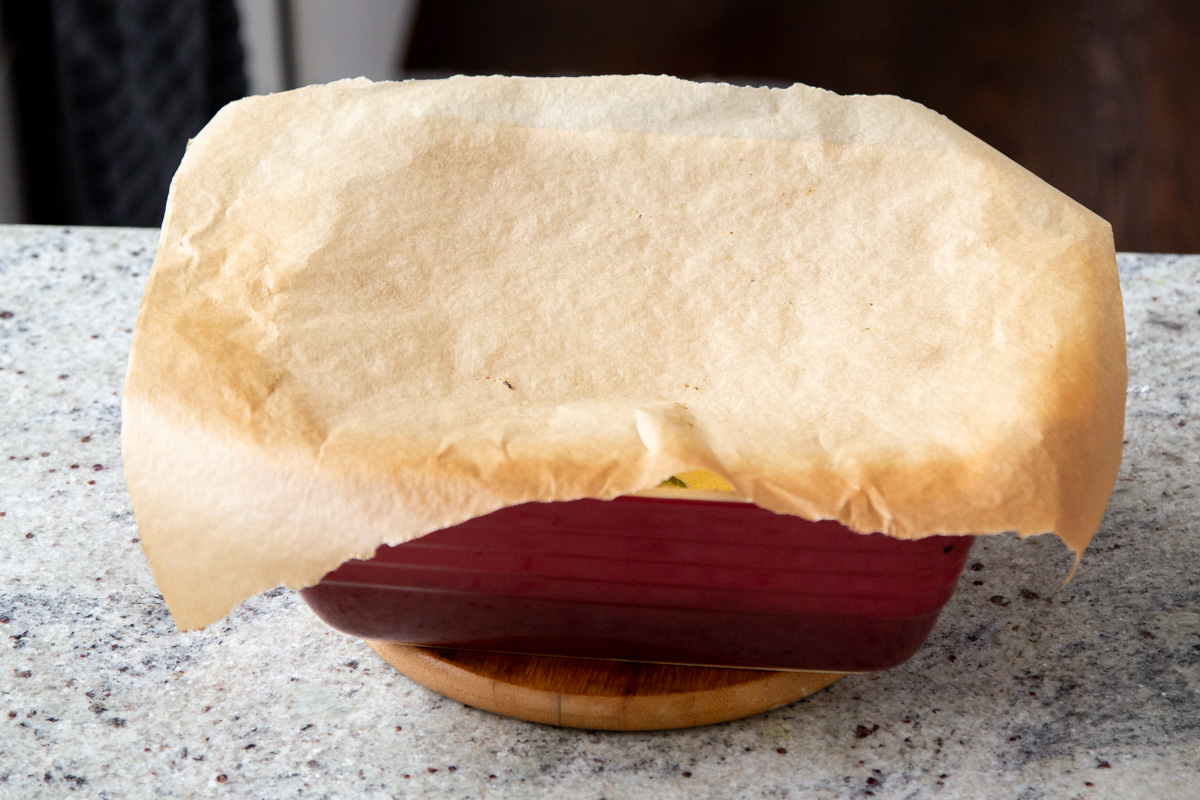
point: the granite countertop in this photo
(1026, 688)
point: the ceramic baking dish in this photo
(664, 579)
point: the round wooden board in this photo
(599, 695)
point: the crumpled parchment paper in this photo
(378, 310)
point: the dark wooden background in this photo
(1099, 98)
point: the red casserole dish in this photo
(653, 579)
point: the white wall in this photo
(350, 38)
(330, 40)
(263, 42)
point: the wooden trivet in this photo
(596, 694)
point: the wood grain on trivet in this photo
(601, 695)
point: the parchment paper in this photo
(381, 309)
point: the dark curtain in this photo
(108, 92)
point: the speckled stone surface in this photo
(1025, 690)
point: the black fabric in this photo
(109, 92)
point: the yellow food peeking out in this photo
(700, 479)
